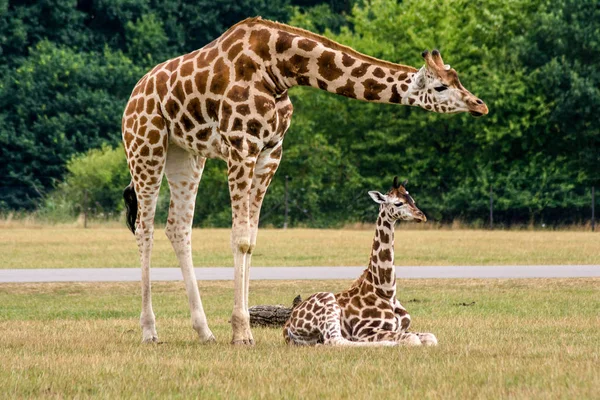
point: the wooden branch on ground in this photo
(271, 316)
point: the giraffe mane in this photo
(327, 42)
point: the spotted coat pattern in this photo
(368, 312)
(229, 101)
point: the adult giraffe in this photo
(229, 100)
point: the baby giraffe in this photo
(367, 314)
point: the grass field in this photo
(513, 338)
(96, 248)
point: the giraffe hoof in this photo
(243, 342)
(209, 340)
(150, 339)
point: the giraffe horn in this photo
(437, 59)
(396, 186)
(405, 182)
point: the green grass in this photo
(96, 248)
(521, 339)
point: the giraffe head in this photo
(398, 204)
(437, 87)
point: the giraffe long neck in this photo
(381, 265)
(293, 57)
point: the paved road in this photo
(264, 273)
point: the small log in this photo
(271, 316)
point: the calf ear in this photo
(378, 197)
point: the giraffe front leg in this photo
(266, 166)
(240, 172)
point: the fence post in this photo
(285, 216)
(593, 208)
(491, 207)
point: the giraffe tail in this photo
(131, 206)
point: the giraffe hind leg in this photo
(183, 171)
(145, 147)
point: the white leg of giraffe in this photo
(266, 166)
(183, 171)
(144, 232)
(146, 182)
(240, 180)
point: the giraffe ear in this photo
(378, 197)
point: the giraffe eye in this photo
(441, 88)
(399, 204)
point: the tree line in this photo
(68, 67)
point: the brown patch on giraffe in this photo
(187, 68)
(172, 108)
(327, 66)
(159, 122)
(177, 131)
(322, 84)
(403, 87)
(284, 41)
(411, 100)
(347, 61)
(254, 127)
(145, 151)
(212, 108)
(263, 105)
(259, 43)
(387, 225)
(203, 134)
(239, 93)
(372, 89)
(173, 64)
(194, 108)
(245, 67)
(201, 78)
(376, 244)
(385, 238)
(253, 149)
(220, 79)
(161, 84)
(276, 154)
(396, 98)
(187, 123)
(150, 86)
(378, 72)
(303, 80)
(130, 107)
(370, 300)
(128, 137)
(188, 86)
(173, 78)
(233, 37)
(226, 111)
(237, 125)
(403, 76)
(234, 51)
(237, 142)
(306, 44)
(243, 109)
(140, 105)
(347, 90)
(360, 70)
(385, 255)
(390, 79)
(142, 130)
(150, 105)
(371, 312)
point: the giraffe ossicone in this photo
(229, 101)
(368, 313)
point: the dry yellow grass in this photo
(104, 247)
(519, 339)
